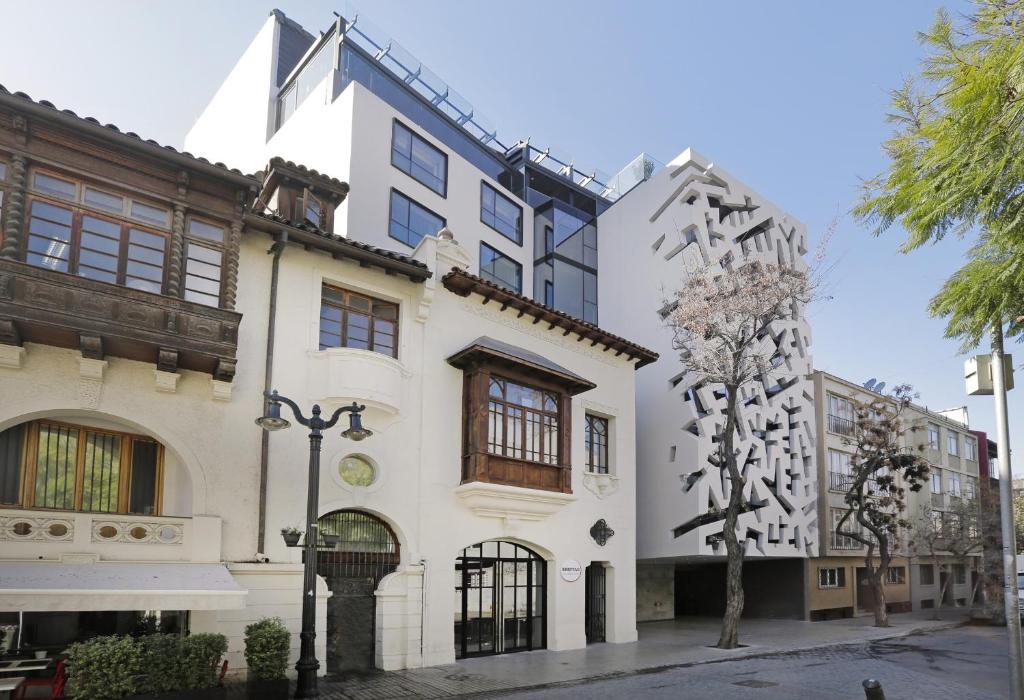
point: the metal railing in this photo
(838, 481)
(845, 542)
(840, 425)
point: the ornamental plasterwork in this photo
(601, 485)
(137, 531)
(18, 528)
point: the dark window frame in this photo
(414, 136)
(502, 447)
(484, 185)
(518, 289)
(394, 191)
(597, 448)
(346, 308)
(78, 214)
(203, 242)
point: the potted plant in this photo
(267, 644)
(330, 539)
(291, 535)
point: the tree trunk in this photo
(729, 638)
(942, 589)
(875, 576)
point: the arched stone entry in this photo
(366, 552)
(500, 598)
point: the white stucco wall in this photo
(416, 448)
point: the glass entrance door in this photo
(499, 600)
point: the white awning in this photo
(43, 586)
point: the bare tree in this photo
(721, 324)
(882, 469)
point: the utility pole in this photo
(1010, 601)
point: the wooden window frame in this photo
(593, 466)
(200, 241)
(345, 308)
(544, 451)
(479, 464)
(78, 215)
(29, 465)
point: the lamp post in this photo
(307, 665)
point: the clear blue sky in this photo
(789, 96)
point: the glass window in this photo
(936, 480)
(49, 236)
(203, 262)
(840, 415)
(3, 170)
(954, 484)
(351, 320)
(933, 436)
(971, 449)
(926, 572)
(499, 268)
(55, 186)
(312, 209)
(419, 159)
(71, 467)
(831, 577)
(151, 214)
(522, 422)
(896, 575)
(953, 442)
(410, 222)
(103, 200)
(501, 213)
(595, 438)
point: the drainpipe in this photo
(268, 375)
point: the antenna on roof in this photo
(878, 387)
(870, 384)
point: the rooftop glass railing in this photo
(357, 30)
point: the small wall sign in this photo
(570, 570)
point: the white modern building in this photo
(353, 103)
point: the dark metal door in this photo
(366, 552)
(596, 600)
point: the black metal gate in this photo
(366, 552)
(596, 600)
(500, 590)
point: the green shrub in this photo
(200, 659)
(266, 649)
(103, 668)
(160, 661)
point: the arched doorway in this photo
(501, 606)
(367, 551)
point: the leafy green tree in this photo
(956, 164)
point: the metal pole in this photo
(307, 665)
(1010, 602)
(873, 690)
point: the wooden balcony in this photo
(43, 306)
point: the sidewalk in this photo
(682, 642)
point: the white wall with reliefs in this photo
(691, 215)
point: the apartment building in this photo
(419, 157)
(835, 581)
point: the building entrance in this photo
(366, 552)
(596, 598)
(500, 602)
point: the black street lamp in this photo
(307, 665)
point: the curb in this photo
(753, 654)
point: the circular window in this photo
(58, 529)
(356, 471)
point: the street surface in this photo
(965, 663)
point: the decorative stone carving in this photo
(14, 208)
(601, 532)
(166, 382)
(511, 503)
(91, 346)
(137, 531)
(20, 528)
(221, 390)
(167, 360)
(601, 485)
(231, 263)
(11, 356)
(9, 334)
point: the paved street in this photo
(966, 663)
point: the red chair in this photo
(53, 687)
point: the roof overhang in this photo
(493, 352)
(463, 283)
(340, 248)
(53, 586)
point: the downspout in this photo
(268, 376)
